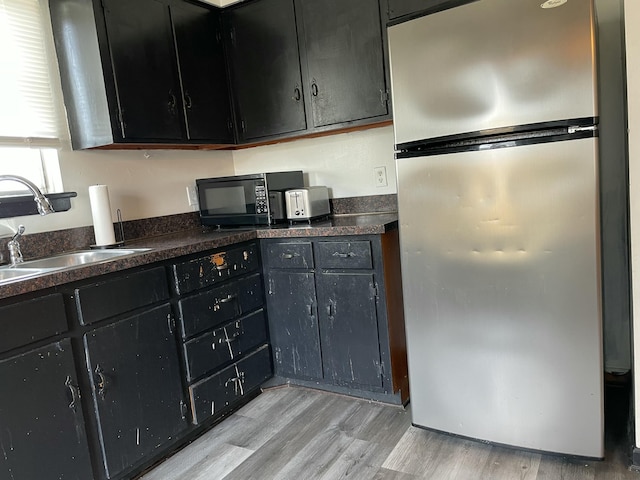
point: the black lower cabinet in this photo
(42, 430)
(296, 343)
(349, 328)
(216, 393)
(335, 314)
(136, 387)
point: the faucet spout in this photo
(44, 207)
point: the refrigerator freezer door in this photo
(500, 271)
(492, 64)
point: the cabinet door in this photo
(43, 431)
(146, 77)
(137, 389)
(293, 325)
(349, 328)
(202, 72)
(343, 44)
(265, 68)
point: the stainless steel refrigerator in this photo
(495, 119)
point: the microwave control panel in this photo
(261, 198)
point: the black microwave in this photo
(256, 199)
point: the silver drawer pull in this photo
(289, 256)
(344, 255)
(228, 299)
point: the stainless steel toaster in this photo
(307, 203)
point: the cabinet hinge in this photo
(384, 97)
(374, 291)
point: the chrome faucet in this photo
(15, 254)
(44, 207)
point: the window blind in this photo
(27, 109)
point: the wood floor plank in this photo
(303, 434)
(511, 464)
(267, 462)
(560, 468)
(385, 474)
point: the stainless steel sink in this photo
(8, 274)
(33, 268)
(75, 259)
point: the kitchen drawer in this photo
(214, 349)
(356, 254)
(289, 255)
(31, 320)
(105, 299)
(215, 393)
(212, 269)
(215, 306)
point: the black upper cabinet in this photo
(206, 102)
(142, 54)
(344, 57)
(305, 66)
(265, 69)
(149, 71)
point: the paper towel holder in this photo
(119, 243)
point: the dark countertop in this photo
(166, 247)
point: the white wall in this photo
(141, 184)
(342, 162)
(632, 19)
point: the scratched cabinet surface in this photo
(220, 307)
(293, 325)
(136, 387)
(215, 268)
(335, 314)
(42, 430)
(349, 328)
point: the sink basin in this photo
(8, 274)
(76, 259)
(33, 268)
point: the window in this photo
(29, 121)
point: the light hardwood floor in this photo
(301, 434)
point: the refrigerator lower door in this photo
(501, 279)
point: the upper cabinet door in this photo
(265, 69)
(344, 51)
(143, 58)
(202, 72)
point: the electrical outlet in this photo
(380, 176)
(192, 196)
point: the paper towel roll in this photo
(101, 213)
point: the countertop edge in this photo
(166, 247)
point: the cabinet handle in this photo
(187, 101)
(75, 393)
(314, 88)
(296, 94)
(330, 310)
(289, 256)
(344, 255)
(228, 299)
(310, 310)
(173, 102)
(102, 381)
